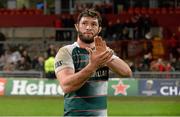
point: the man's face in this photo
(88, 28)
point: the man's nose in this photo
(88, 27)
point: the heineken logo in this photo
(25, 87)
(120, 88)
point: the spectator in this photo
(9, 67)
(149, 46)
(2, 61)
(173, 45)
(58, 22)
(39, 66)
(34, 61)
(132, 66)
(161, 65)
(12, 55)
(70, 21)
(154, 66)
(23, 65)
(26, 56)
(118, 29)
(49, 66)
(144, 26)
(147, 61)
(177, 65)
(168, 68)
(51, 50)
(124, 49)
(110, 31)
(125, 34)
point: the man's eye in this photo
(84, 23)
(94, 24)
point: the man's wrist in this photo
(111, 59)
(92, 67)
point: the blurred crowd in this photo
(147, 63)
(17, 58)
(103, 7)
(137, 27)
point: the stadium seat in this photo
(150, 11)
(144, 10)
(131, 11)
(177, 10)
(157, 11)
(163, 11)
(137, 10)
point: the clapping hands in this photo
(101, 54)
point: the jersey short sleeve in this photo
(63, 59)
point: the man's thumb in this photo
(89, 50)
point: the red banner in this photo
(2, 86)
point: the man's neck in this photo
(84, 45)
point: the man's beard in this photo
(86, 39)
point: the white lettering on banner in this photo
(50, 89)
(41, 88)
(59, 90)
(173, 90)
(23, 87)
(19, 87)
(169, 91)
(31, 89)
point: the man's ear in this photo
(100, 28)
(76, 26)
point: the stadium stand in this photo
(34, 30)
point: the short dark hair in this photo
(90, 13)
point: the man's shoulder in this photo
(70, 46)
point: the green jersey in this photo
(91, 98)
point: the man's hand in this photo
(100, 55)
(100, 45)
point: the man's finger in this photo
(89, 50)
(104, 43)
(96, 40)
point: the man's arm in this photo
(71, 81)
(119, 66)
(115, 63)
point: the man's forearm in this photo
(77, 80)
(120, 67)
